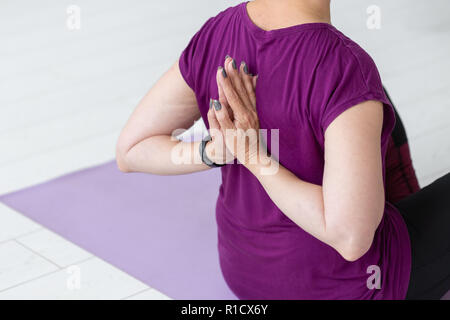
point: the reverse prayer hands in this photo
(233, 119)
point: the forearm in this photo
(301, 201)
(304, 204)
(162, 155)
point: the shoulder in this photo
(202, 42)
(220, 20)
(214, 28)
(343, 57)
(344, 75)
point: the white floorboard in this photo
(13, 224)
(97, 280)
(53, 247)
(18, 265)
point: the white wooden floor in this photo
(64, 95)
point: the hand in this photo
(236, 111)
(216, 149)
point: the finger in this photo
(247, 80)
(255, 78)
(222, 98)
(212, 120)
(233, 73)
(212, 115)
(222, 117)
(230, 93)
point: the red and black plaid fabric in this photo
(401, 180)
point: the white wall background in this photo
(64, 95)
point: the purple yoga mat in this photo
(159, 229)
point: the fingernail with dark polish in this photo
(217, 105)
(245, 67)
(234, 64)
(224, 73)
(227, 56)
(210, 103)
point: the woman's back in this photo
(308, 75)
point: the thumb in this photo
(255, 78)
(214, 125)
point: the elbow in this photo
(355, 247)
(121, 165)
(121, 158)
(352, 239)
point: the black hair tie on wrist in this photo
(203, 155)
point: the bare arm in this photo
(346, 211)
(145, 144)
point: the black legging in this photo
(427, 216)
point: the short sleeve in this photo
(351, 77)
(190, 58)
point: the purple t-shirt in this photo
(308, 75)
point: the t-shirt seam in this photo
(189, 82)
(284, 33)
(288, 33)
(350, 101)
(239, 13)
(354, 55)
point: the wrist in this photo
(209, 148)
(258, 165)
(206, 156)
